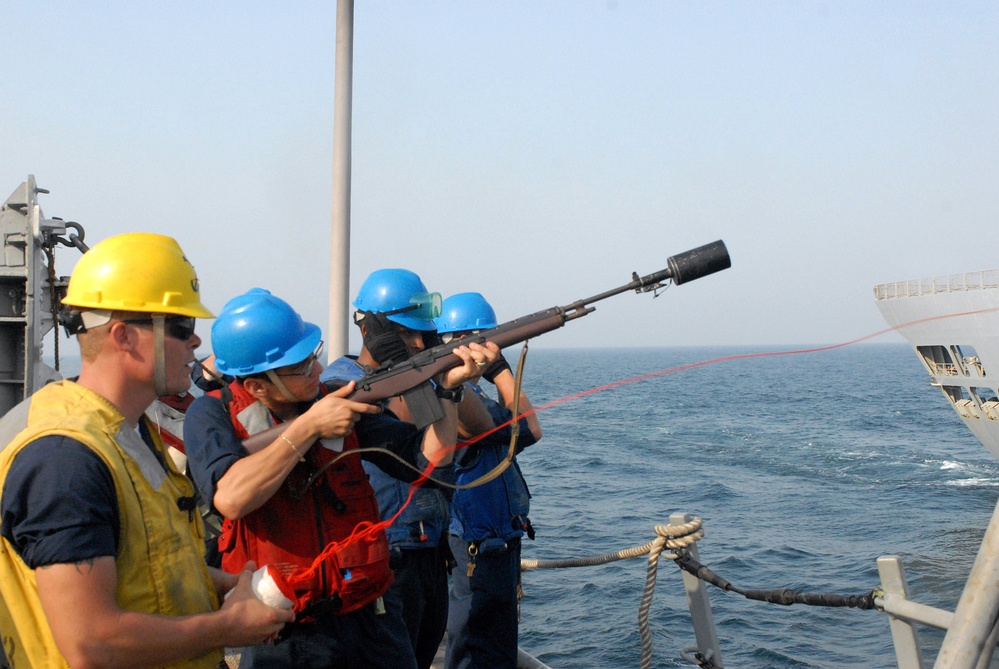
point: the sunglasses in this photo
(177, 327)
(303, 368)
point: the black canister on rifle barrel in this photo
(699, 262)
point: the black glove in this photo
(208, 384)
(492, 370)
(382, 339)
(431, 339)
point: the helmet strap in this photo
(159, 355)
(279, 384)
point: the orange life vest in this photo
(300, 520)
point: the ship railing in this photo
(682, 533)
(942, 284)
(942, 368)
(972, 629)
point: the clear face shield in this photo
(425, 306)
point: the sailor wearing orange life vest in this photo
(279, 502)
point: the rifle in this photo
(411, 378)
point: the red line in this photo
(727, 358)
(368, 530)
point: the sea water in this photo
(805, 468)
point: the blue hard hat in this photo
(401, 296)
(463, 312)
(256, 332)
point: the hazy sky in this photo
(538, 152)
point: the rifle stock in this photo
(404, 376)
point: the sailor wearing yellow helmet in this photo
(101, 550)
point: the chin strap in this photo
(279, 384)
(159, 355)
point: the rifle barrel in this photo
(398, 378)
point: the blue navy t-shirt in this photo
(59, 504)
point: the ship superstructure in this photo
(29, 291)
(952, 322)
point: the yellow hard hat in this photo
(137, 271)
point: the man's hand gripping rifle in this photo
(412, 378)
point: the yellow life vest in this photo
(160, 561)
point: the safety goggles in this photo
(303, 368)
(177, 327)
(425, 306)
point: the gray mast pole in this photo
(340, 238)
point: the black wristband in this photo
(493, 370)
(450, 394)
